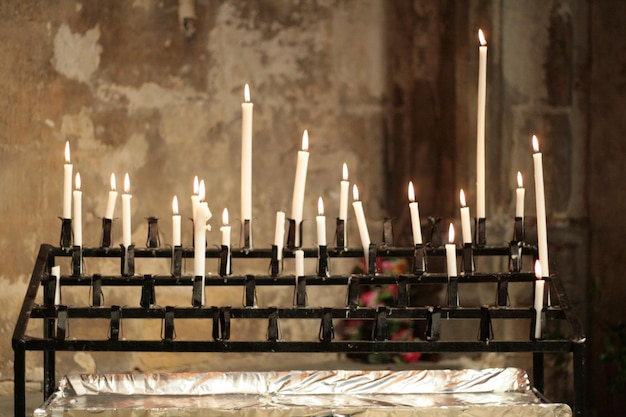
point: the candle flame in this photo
(246, 93)
(320, 206)
(411, 192)
(538, 273)
(451, 234)
(520, 183)
(175, 206)
(345, 171)
(355, 193)
(196, 185)
(126, 183)
(481, 38)
(535, 143)
(77, 181)
(113, 181)
(202, 190)
(462, 198)
(305, 140)
(67, 152)
(225, 217)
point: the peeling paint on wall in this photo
(77, 56)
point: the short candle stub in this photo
(153, 240)
(66, 234)
(107, 225)
(177, 261)
(481, 233)
(468, 258)
(128, 261)
(340, 234)
(246, 234)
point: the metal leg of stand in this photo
(538, 371)
(19, 379)
(580, 403)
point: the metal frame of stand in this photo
(56, 318)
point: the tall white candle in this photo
(357, 205)
(538, 302)
(55, 272)
(176, 239)
(415, 216)
(343, 194)
(78, 213)
(540, 199)
(480, 126)
(110, 210)
(126, 225)
(321, 223)
(279, 233)
(299, 185)
(195, 198)
(451, 253)
(466, 228)
(225, 229)
(520, 193)
(246, 156)
(299, 263)
(67, 184)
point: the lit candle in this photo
(520, 193)
(225, 229)
(246, 156)
(540, 199)
(279, 233)
(480, 126)
(78, 213)
(451, 253)
(415, 216)
(357, 205)
(110, 210)
(126, 229)
(538, 304)
(202, 216)
(343, 195)
(299, 185)
(466, 228)
(299, 263)
(176, 240)
(55, 271)
(195, 198)
(321, 223)
(67, 184)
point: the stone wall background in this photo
(388, 87)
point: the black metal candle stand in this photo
(468, 258)
(246, 234)
(77, 260)
(65, 241)
(518, 229)
(340, 234)
(226, 267)
(322, 261)
(57, 318)
(481, 232)
(153, 240)
(107, 227)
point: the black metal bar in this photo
(518, 229)
(62, 322)
(327, 331)
(226, 267)
(301, 295)
(77, 260)
(177, 261)
(381, 328)
(433, 324)
(148, 296)
(65, 240)
(403, 292)
(340, 234)
(322, 262)
(273, 332)
(481, 232)
(353, 292)
(225, 322)
(96, 290)
(107, 225)
(274, 263)
(453, 292)
(169, 333)
(580, 378)
(538, 371)
(486, 330)
(468, 258)
(114, 325)
(502, 293)
(250, 291)
(19, 380)
(197, 300)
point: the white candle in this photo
(466, 228)
(538, 304)
(67, 184)
(279, 233)
(195, 198)
(246, 156)
(78, 213)
(540, 199)
(480, 126)
(202, 216)
(299, 263)
(343, 195)
(451, 253)
(126, 225)
(225, 229)
(110, 210)
(357, 205)
(321, 223)
(299, 185)
(176, 240)
(415, 216)
(55, 271)
(520, 193)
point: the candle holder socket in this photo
(246, 235)
(453, 291)
(66, 234)
(353, 292)
(226, 267)
(115, 323)
(371, 258)
(294, 234)
(502, 297)
(249, 294)
(300, 296)
(96, 290)
(197, 291)
(403, 292)
(518, 229)
(62, 323)
(274, 262)
(148, 296)
(107, 227)
(322, 261)
(340, 234)
(481, 232)
(381, 325)
(419, 259)
(169, 332)
(515, 256)
(388, 231)
(468, 258)
(327, 330)
(128, 260)
(273, 328)
(77, 261)
(433, 324)
(435, 232)
(177, 261)
(153, 240)
(485, 332)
